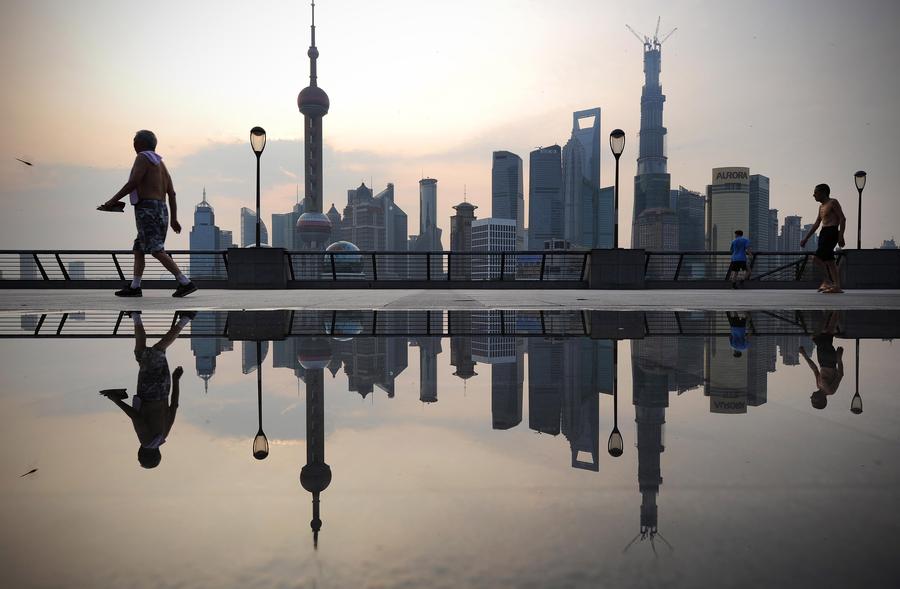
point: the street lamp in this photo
(617, 145)
(860, 179)
(260, 442)
(258, 144)
(615, 446)
(856, 403)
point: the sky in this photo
(802, 91)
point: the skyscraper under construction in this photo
(652, 182)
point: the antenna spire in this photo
(313, 52)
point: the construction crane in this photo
(654, 41)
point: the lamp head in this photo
(617, 142)
(860, 178)
(615, 446)
(258, 140)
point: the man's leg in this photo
(183, 319)
(170, 265)
(140, 263)
(140, 335)
(831, 268)
(826, 279)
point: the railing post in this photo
(40, 323)
(62, 267)
(584, 262)
(40, 267)
(290, 261)
(333, 268)
(374, 267)
(678, 267)
(118, 323)
(428, 266)
(801, 267)
(61, 323)
(543, 263)
(449, 257)
(118, 268)
(502, 266)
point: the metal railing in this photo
(357, 323)
(517, 266)
(549, 269)
(697, 266)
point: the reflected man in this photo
(151, 412)
(738, 338)
(831, 362)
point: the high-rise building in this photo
(461, 240)
(772, 243)
(652, 181)
(76, 270)
(657, 229)
(507, 193)
(813, 243)
(372, 223)
(429, 237)
(791, 234)
(546, 219)
(493, 235)
(28, 269)
(206, 235)
(581, 182)
(728, 209)
(758, 233)
(690, 207)
(207, 349)
(248, 229)
(284, 228)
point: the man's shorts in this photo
(825, 352)
(152, 220)
(154, 380)
(738, 266)
(828, 240)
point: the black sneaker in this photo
(130, 292)
(184, 290)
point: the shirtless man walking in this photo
(831, 218)
(148, 185)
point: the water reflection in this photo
(151, 412)
(554, 371)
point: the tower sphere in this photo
(315, 477)
(313, 101)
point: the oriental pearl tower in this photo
(313, 227)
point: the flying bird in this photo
(24, 162)
(33, 470)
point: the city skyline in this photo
(704, 131)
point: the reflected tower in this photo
(315, 476)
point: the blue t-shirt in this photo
(739, 249)
(738, 339)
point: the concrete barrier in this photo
(257, 267)
(617, 269)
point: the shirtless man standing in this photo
(831, 218)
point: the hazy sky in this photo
(802, 91)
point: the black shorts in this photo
(828, 240)
(737, 266)
(825, 352)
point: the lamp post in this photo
(617, 145)
(615, 446)
(856, 403)
(260, 442)
(860, 179)
(257, 144)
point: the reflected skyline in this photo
(404, 469)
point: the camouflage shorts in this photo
(152, 220)
(154, 380)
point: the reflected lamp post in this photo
(860, 179)
(260, 442)
(258, 144)
(617, 145)
(856, 403)
(615, 446)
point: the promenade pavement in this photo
(712, 300)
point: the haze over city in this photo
(802, 93)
